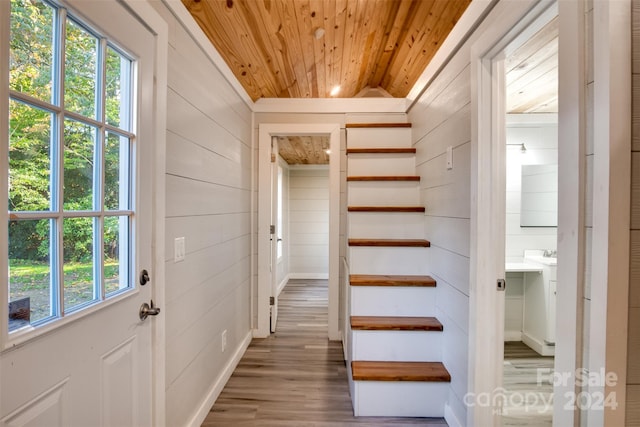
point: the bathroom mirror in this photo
(539, 196)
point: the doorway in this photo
(267, 281)
(489, 107)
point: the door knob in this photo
(148, 310)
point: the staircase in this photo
(394, 342)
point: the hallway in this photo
(296, 377)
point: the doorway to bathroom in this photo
(531, 220)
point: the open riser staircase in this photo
(394, 339)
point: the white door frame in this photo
(158, 26)
(512, 22)
(266, 131)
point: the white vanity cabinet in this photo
(539, 312)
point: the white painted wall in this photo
(309, 222)
(208, 186)
(539, 133)
(441, 118)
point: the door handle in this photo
(148, 310)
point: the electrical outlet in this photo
(449, 157)
(224, 340)
(179, 249)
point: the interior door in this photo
(276, 232)
(93, 366)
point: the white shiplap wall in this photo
(442, 118)
(208, 202)
(541, 142)
(309, 222)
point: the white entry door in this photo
(79, 354)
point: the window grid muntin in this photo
(57, 215)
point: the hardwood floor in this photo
(295, 377)
(528, 389)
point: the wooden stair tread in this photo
(384, 178)
(386, 209)
(411, 243)
(381, 150)
(390, 280)
(395, 323)
(399, 371)
(378, 125)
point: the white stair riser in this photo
(397, 346)
(383, 193)
(393, 301)
(379, 138)
(381, 164)
(386, 225)
(399, 399)
(394, 260)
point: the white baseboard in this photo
(450, 417)
(219, 383)
(539, 347)
(318, 276)
(282, 284)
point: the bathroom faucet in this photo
(550, 253)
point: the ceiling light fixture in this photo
(335, 90)
(318, 33)
(327, 151)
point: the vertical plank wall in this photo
(441, 118)
(633, 368)
(208, 201)
(309, 222)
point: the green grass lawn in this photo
(28, 278)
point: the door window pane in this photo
(116, 250)
(31, 48)
(30, 296)
(79, 160)
(80, 78)
(118, 90)
(29, 158)
(116, 175)
(79, 263)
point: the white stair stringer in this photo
(391, 297)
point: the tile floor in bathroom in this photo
(527, 387)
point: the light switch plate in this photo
(178, 249)
(449, 157)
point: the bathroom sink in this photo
(538, 256)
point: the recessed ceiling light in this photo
(335, 90)
(327, 151)
(319, 33)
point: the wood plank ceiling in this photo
(532, 73)
(304, 48)
(304, 150)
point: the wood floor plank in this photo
(295, 377)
